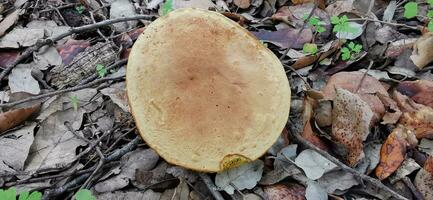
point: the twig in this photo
(50, 94)
(292, 42)
(383, 22)
(363, 77)
(112, 66)
(86, 184)
(211, 186)
(29, 51)
(294, 70)
(344, 167)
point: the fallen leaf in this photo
(8, 57)
(356, 31)
(152, 4)
(424, 182)
(279, 174)
(182, 173)
(422, 51)
(139, 159)
(21, 37)
(51, 29)
(181, 192)
(282, 191)
(321, 3)
(337, 181)
(282, 38)
(351, 81)
(351, 117)
(428, 164)
(72, 48)
(396, 48)
(387, 34)
(15, 148)
(339, 7)
(139, 195)
(245, 176)
(203, 4)
(242, 3)
(117, 94)
(420, 91)
(393, 112)
(324, 52)
(21, 80)
(405, 103)
(156, 178)
(393, 152)
(420, 121)
(54, 145)
(389, 12)
(15, 117)
(314, 191)
(313, 164)
(407, 167)
(47, 56)
(123, 8)
(9, 21)
(426, 146)
(372, 155)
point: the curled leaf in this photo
(281, 191)
(420, 121)
(422, 53)
(15, 117)
(420, 91)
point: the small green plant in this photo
(341, 24)
(310, 48)
(80, 9)
(102, 71)
(316, 23)
(10, 194)
(349, 51)
(74, 101)
(167, 7)
(411, 11)
(84, 194)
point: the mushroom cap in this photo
(204, 92)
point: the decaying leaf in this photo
(10, 20)
(21, 80)
(393, 152)
(393, 112)
(424, 183)
(421, 91)
(314, 191)
(351, 81)
(21, 37)
(117, 94)
(407, 167)
(422, 50)
(281, 191)
(245, 176)
(396, 48)
(283, 37)
(242, 3)
(72, 48)
(420, 121)
(122, 8)
(351, 119)
(428, 164)
(15, 148)
(15, 117)
(313, 164)
(337, 180)
(426, 146)
(120, 195)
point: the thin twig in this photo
(211, 186)
(87, 184)
(363, 76)
(29, 51)
(383, 22)
(50, 94)
(292, 42)
(294, 71)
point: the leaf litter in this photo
(371, 113)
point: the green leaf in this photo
(357, 48)
(33, 196)
(430, 14)
(8, 194)
(430, 2)
(80, 9)
(337, 28)
(84, 194)
(351, 45)
(410, 10)
(345, 56)
(313, 21)
(102, 71)
(344, 19)
(74, 101)
(345, 50)
(310, 48)
(335, 20)
(430, 26)
(167, 7)
(320, 29)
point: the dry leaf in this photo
(21, 37)
(283, 37)
(321, 3)
(123, 8)
(350, 81)
(422, 51)
(313, 164)
(9, 21)
(242, 3)
(424, 183)
(72, 48)
(393, 113)
(21, 80)
(281, 191)
(324, 52)
(421, 91)
(428, 164)
(203, 4)
(308, 133)
(351, 119)
(8, 57)
(339, 7)
(122, 195)
(396, 48)
(420, 121)
(245, 176)
(393, 152)
(15, 117)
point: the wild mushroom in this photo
(204, 93)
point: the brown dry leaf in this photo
(428, 164)
(9, 21)
(351, 119)
(15, 117)
(422, 53)
(398, 47)
(393, 152)
(339, 7)
(283, 37)
(308, 60)
(424, 183)
(405, 103)
(72, 48)
(350, 81)
(308, 133)
(321, 3)
(420, 91)
(282, 191)
(242, 3)
(393, 113)
(8, 57)
(420, 121)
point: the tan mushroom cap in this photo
(206, 94)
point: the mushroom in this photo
(204, 92)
